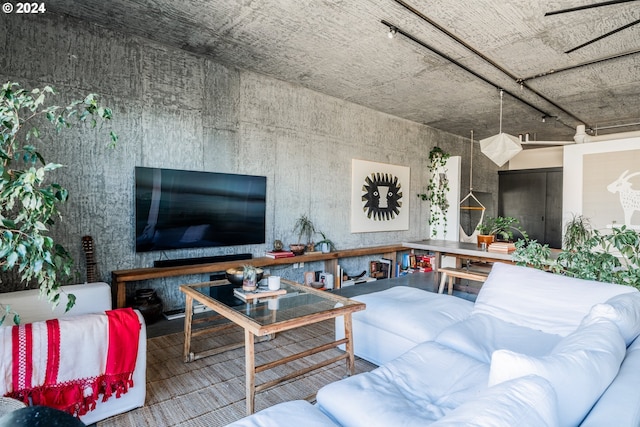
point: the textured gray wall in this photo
(176, 110)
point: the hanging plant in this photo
(437, 190)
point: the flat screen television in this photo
(177, 209)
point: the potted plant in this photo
(29, 201)
(613, 257)
(437, 190)
(325, 245)
(499, 228)
(304, 228)
(577, 232)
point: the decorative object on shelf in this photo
(325, 245)
(277, 245)
(90, 257)
(502, 147)
(279, 254)
(30, 204)
(437, 189)
(235, 275)
(249, 278)
(304, 228)
(377, 199)
(499, 228)
(149, 304)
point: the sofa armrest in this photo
(90, 298)
(621, 400)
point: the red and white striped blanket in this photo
(66, 363)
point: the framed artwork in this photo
(602, 183)
(379, 199)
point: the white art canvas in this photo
(612, 189)
(379, 197)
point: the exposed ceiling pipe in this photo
(485, 58)
(582, 137)
(583, 64)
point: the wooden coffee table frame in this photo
(253, 329)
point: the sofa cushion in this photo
(624, 311)
(90, 298)
(287, 414)
(415, 389)
(399, 318)
(621, 400)
(580, 367)
(524, 402)
(412, 313)
(480, 335)
(552, 303)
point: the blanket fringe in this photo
(76, 397)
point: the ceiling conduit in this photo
(488, 60)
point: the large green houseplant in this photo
(28, 200)
(612, 257)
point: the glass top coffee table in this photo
(300, 306)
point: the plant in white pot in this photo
(28, 200)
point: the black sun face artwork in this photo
(382, 196)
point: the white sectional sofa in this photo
(536, 349)
(90, 298)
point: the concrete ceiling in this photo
(341, 48)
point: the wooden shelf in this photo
(120, 278)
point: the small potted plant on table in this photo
(303, 227)
(499, 228)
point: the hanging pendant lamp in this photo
(502, 147)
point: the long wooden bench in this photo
(460, 273)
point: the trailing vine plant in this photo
(437, 190)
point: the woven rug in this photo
(211, 391)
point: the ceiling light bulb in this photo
(544, 119)
(392, 32)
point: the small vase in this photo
(249, 280)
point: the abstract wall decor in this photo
(379, 199)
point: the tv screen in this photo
(178, 209)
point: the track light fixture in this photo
(392, 32)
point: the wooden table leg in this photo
(188, 317)
(121, 294)
(250, 370)
(437, 262)
(348, 334)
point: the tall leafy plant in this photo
(28, 200)
(437, 189)
(612, 257)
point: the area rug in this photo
(211, 391)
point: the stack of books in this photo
(503, 247)
(279, 254)
(258, 293)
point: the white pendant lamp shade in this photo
(500, 148)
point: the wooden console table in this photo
(459, 250)
(120, 278)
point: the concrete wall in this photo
(176, 110)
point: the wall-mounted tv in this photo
(178, 209)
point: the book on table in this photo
(258, 293)
(279, 254)
(504, 247)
